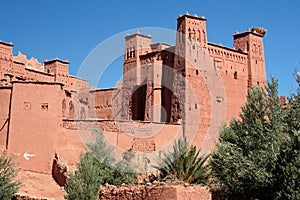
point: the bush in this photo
(97, 167)
(259, 154)
(8, 187)
(184, 164)
(288, 166)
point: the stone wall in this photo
(155, 192)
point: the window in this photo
(82, 113)
(235, 75)
(197, 72)
(44, 106)
(64, 104)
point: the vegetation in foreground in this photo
(258, 156)
(97, 167)
(8, 186)
(184, 164)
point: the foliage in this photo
(247, 156)
(96, 168)
(8, 187)
(184, 164)
(288, 169)
(85, 182)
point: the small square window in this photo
(44, 106)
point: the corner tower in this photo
(193, 69)
(59, 69)
(133, 88)
(135, 45)
(192, 28)
(251, 42)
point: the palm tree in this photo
(184, 164)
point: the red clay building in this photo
(188, 89)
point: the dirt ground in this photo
(39, 185)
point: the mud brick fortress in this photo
(167, 91)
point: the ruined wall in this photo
(4, 114)
(157, 192)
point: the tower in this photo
(251, 42)
(135, 45)
(133, 89)
(192, 67)
(59, 69)
(191, 29)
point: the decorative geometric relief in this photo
(44, 106)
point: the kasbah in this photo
(189, 89)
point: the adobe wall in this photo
(101, 102)
(155, 192)
(77, 84)
(6, 62)
(69, 144)
(138, 136)
(4, 114)
(233, 68)
(167, 81)
(35, 124)
(33, 75)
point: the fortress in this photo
(167, 91)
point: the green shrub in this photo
(8, 187)
(97, 167)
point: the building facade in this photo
(189, 89)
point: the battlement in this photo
(258, 31)
(6, 44)
(56, 60)
(137, 33)
(195, 16)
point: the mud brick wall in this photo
(155, 192)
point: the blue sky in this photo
(72, 29)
